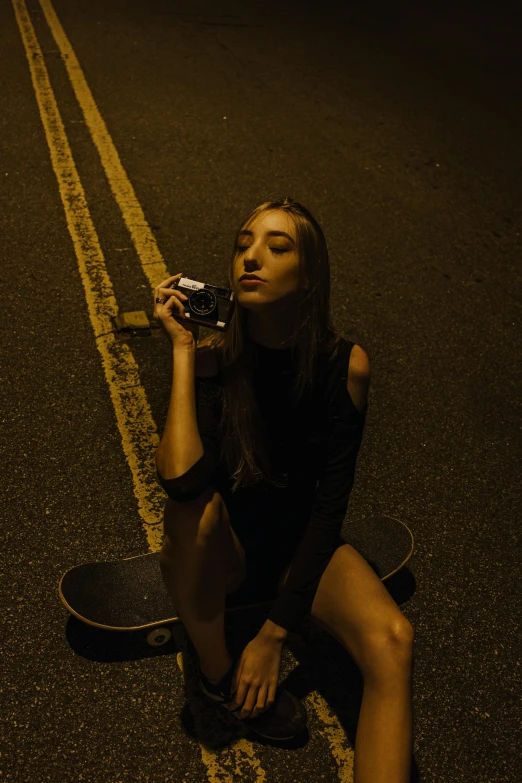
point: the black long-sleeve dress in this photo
(313, 451)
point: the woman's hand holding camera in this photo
(168, 308)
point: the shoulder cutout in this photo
(206, 365)
(358, 377)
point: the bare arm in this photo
(180, 446)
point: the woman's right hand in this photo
(181, 332)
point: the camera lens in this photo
(202, 302)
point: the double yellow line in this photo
(133, 413)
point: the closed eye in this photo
(276, 250)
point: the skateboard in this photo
(129, 594)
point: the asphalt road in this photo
(400, 130)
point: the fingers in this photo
(251, 700)
(171, 298)
(254, 683)
(169, 281)
(260, 705)
(169, 313)
(272, 690)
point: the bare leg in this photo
(353, 605)
(201, 560)
(383, 744)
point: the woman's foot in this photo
(284, 719)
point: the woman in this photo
(258, 458)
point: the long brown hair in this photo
(242, 435)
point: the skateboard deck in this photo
(129, 594)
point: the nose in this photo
(249, 260)
(249, 254)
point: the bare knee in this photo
(198, 519)
(388, 649)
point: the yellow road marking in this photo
(133, 414)
(144, 241)
(231, 763)
(335, 735)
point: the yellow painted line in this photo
(133, 414)
(232, 763)
(144, 241)
(334, 734)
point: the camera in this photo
(208, 305)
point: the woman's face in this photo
(268, 249)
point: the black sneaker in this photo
(283, 720)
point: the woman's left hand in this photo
(256, 676)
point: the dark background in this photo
(399, 127)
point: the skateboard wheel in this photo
(159, 636)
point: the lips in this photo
(250, 277)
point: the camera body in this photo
(209, 305)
